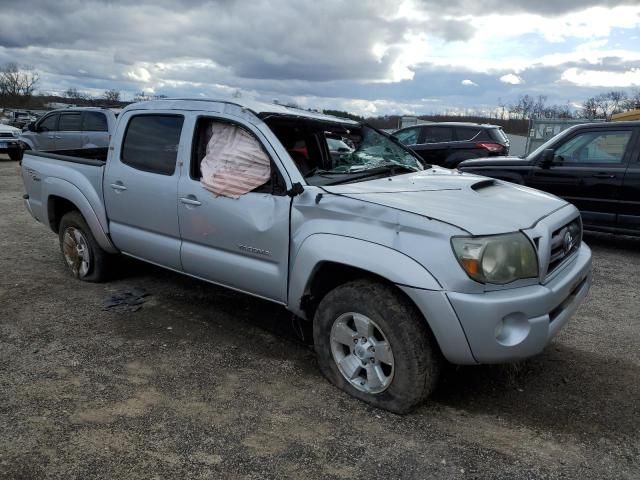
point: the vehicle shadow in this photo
(209, 297)
(611, 241)
(563, 389)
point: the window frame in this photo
(85, 115)
(441, 127)
(277, 188)
(42, 120)
(154, 114)
(69, 114)
(609, 131)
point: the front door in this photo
(44, 139)
(587, 170)
(629, 206)
(141, 187)
(242, 243)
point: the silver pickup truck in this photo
(399, 265)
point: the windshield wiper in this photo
(319, 171)
(381, 169)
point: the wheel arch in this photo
(325, 261)
(62, 197)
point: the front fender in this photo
(53, 186)
(383, 261)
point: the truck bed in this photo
(73, 176)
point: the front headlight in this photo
(496, 259)
(16, 133)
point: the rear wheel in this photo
(372, 343)
(86, 260)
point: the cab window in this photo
(594, 148)
(151, 143)
(49, 123)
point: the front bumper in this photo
(510, 324)
(8, 144)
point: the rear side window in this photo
(469, 133)
(94, 122)
(49, 124)
(151, 143)
(499, 135)
(69, 122)
(438, 134)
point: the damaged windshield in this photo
(373, 150)
(330, 153)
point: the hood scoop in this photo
(484, 184)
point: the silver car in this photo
(70, 129)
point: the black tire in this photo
(417, 360)
(99, 260)
(14, 154)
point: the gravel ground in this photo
(206, 383)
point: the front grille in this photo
(6, 135)
(564, 242)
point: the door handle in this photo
(118, 186)
(190, 200)
(51, 137)
(58, 137)
(603, 175)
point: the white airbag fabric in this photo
(234, 163)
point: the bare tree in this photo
(17, 85)
(633, 100)
(538, 107)
(111, 95)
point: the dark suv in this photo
(449, 143)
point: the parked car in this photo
(9, 141)
(70, 129)
(19, 119)
(397, 267)
(595, 166)
(449, 143)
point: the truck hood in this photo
(479, 205)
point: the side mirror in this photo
(546, 159)
(295, 190)
(31, 126)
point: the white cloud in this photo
(139, 74)
(511, 79)
(469, 83)
(601, 78)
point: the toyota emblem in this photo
(567, 242)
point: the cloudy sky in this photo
(369, 57)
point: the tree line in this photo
(601, 106)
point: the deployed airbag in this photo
(234, 163)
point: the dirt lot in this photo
(205, 383)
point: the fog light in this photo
(512, 329)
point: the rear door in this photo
(629, 206)
(141, 186)
(242, 243)
(436, 142)
(69, 134)
(95, 130)
(587, 170)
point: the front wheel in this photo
(85, 259)
(372, 343)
